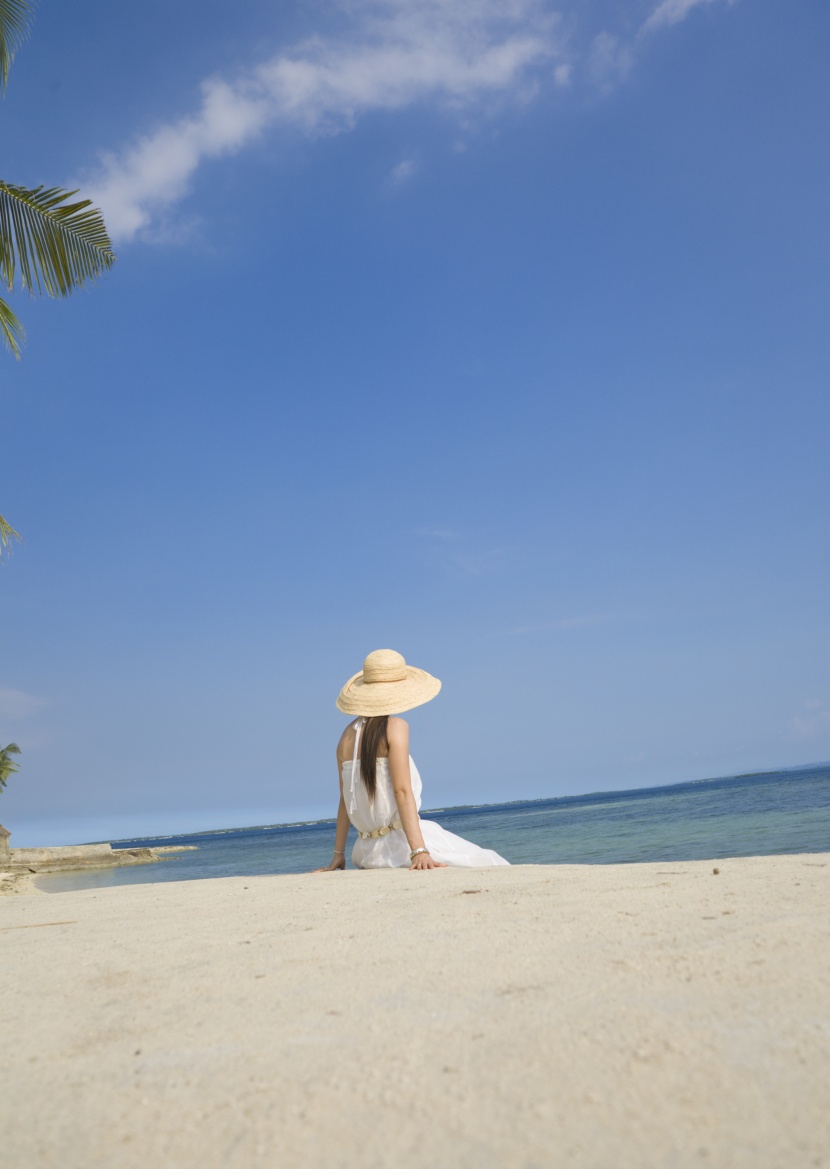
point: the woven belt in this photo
(380, 831)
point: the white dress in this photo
(381, 842)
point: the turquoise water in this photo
(743, 815)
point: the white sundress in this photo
(388, 847)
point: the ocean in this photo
(739, 815)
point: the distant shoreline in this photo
(613, 793)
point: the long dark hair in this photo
(372, 735)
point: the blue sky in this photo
(493, 333)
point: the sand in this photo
(602, 1017)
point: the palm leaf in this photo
(56, 245)
(7, 766)
(15, 17)
(13, 334)
(7, 533)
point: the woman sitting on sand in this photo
(380, 788)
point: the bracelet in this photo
(416, 851)
(339, 852)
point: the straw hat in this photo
(386, 685)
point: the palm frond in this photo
(55, 244)
(7, 533)
(13, 334)
(15, 18)
(7, 765)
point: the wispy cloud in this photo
(476, 563)
(16, 704)
(560, 625)
(673, 11)
(394, 54)
(405, 169)
(610, 61)
(447, 534)
(813, 721)
(387, 55)
(462, 554)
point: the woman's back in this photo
(345, 748)
(381, 840)
(369, 815)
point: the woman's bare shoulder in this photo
(346, 744)
(397, 730)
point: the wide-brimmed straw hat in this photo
(386, 685)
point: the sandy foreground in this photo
(593, 1016)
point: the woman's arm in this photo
(397, 735)
(341, 832)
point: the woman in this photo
(380, 788)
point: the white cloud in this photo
(460, 553)
(558, 626)
(673, 11)
(610, 61)
(16, 704)
(403, 171)
(396, 53)
(813, 722)
(387, 55)
(438, 533)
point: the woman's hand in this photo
(424, 861)
(337, 862)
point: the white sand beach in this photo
(607, 1017)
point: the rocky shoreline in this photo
(82, 856)
(17, 864)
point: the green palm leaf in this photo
(54, 244)
(13, 332)
(7, 764)
(7, 533)
(15, 17)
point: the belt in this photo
(380, 831)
